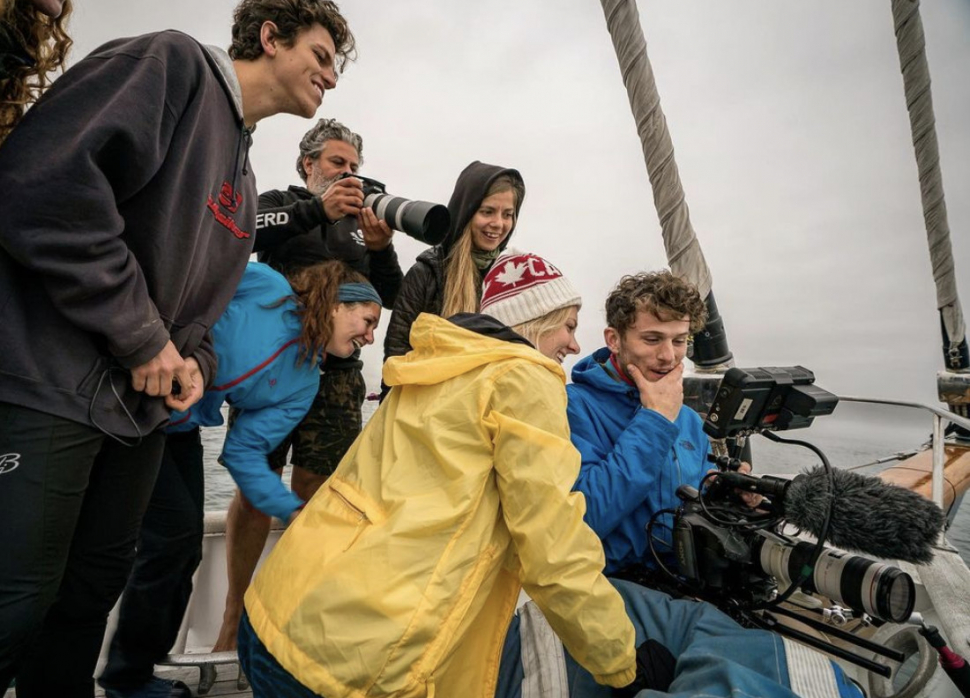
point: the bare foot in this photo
(227, 634)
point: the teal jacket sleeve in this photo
(253, 436)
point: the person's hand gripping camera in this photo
(345, 198)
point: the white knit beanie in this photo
(523, 287)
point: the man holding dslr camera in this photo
(306, 225)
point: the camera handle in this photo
(725, 463)
(955, 666)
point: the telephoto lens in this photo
(883, 591)
(422, 220)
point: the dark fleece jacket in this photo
(424, 284)
(126, 218)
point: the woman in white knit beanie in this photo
(401, 575)
(532, 297)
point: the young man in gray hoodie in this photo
(126, 220)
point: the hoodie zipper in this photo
(244, 142)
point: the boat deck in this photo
(225, 684)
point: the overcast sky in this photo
(790, 130)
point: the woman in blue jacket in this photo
(270, 343)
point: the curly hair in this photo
(45, 41)
(290, 18)
(315, 292)
(662, 293)
(316, 138)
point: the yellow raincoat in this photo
(401, 575)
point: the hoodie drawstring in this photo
(248, 135)
(107, 374)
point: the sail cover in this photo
(684, 253)
(911, 43)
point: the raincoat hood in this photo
(470, 190)
(594, 370)
(445, 349)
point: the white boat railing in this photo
(941, 418)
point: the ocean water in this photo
(854, 437)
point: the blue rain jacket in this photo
(633, 460)
(257, 347)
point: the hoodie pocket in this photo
(96, 378)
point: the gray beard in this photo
(317, 191)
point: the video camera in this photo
(422, 220)
(737, 557)
(730, 555)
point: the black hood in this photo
(470, 189)
(488, 326)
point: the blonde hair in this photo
(46, 41)
(463, 283)
(534, 330)
(462, 293)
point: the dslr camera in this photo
(422, 220)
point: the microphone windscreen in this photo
(868, 515)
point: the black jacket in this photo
(126, 217)
(292, 232)
(424, 284)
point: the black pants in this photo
(71, 503)
(169, 550)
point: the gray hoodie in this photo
(127, 212)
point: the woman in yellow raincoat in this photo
(401, 575)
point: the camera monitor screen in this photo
(768, 398)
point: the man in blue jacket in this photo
(627, 416)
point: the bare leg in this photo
(246, 532)
(305, 483)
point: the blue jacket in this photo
(633, 459)
(257, 347)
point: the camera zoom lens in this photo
(901, 598)
(422, 220)
(876, 588)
